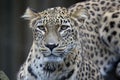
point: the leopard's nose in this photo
(51, 46)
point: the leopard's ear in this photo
(81, 14)
(29, 14)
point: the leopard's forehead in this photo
(54, 12)
(54, 15)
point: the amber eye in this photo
(41, 27)
(64, 27)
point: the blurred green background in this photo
(15, 35)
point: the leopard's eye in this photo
(41, 27)
(64, 27)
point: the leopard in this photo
(85, 19)
(56, 53)
(110, 33)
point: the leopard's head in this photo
(55, 32)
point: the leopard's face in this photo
(54, 34)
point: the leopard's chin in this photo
(51, 66)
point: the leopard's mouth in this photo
(53, 58)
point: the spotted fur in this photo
(64, 40)
(110, 31)
(110, 34)
(91, 30)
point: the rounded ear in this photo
(81, 14)
(29, 14)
